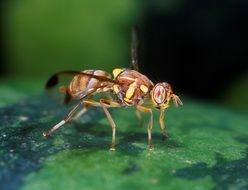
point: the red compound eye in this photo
(159, 94)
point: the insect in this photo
(128, 86)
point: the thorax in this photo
(133, 87)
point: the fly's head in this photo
(162, 94)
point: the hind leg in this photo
(80, 113)
(62, 122)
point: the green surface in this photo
(207, 148)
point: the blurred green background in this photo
(42, 37)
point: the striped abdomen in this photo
(82, 85)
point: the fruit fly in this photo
(128, 86)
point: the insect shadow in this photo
(126, 140)
(225, 173)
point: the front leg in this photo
(62, 122)
(150, 124)
(161, 124)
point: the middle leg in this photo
(138, 114)
(105, 103)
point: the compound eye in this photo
(159, 94)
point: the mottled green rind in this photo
(13, 89)
(207, 149)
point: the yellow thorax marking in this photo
(130, 90)
(144, 88)
(116, 72)
(127, 100)
(116, 89)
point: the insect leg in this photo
(138, 114)
(80, 113)
(104, 103)
(110, 103)
(150, 124)
(161, 123)
(67, 118)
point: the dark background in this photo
(200, 47)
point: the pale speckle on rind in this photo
(154, 181)
(23, 118)
(188, 161)
(173, 171)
